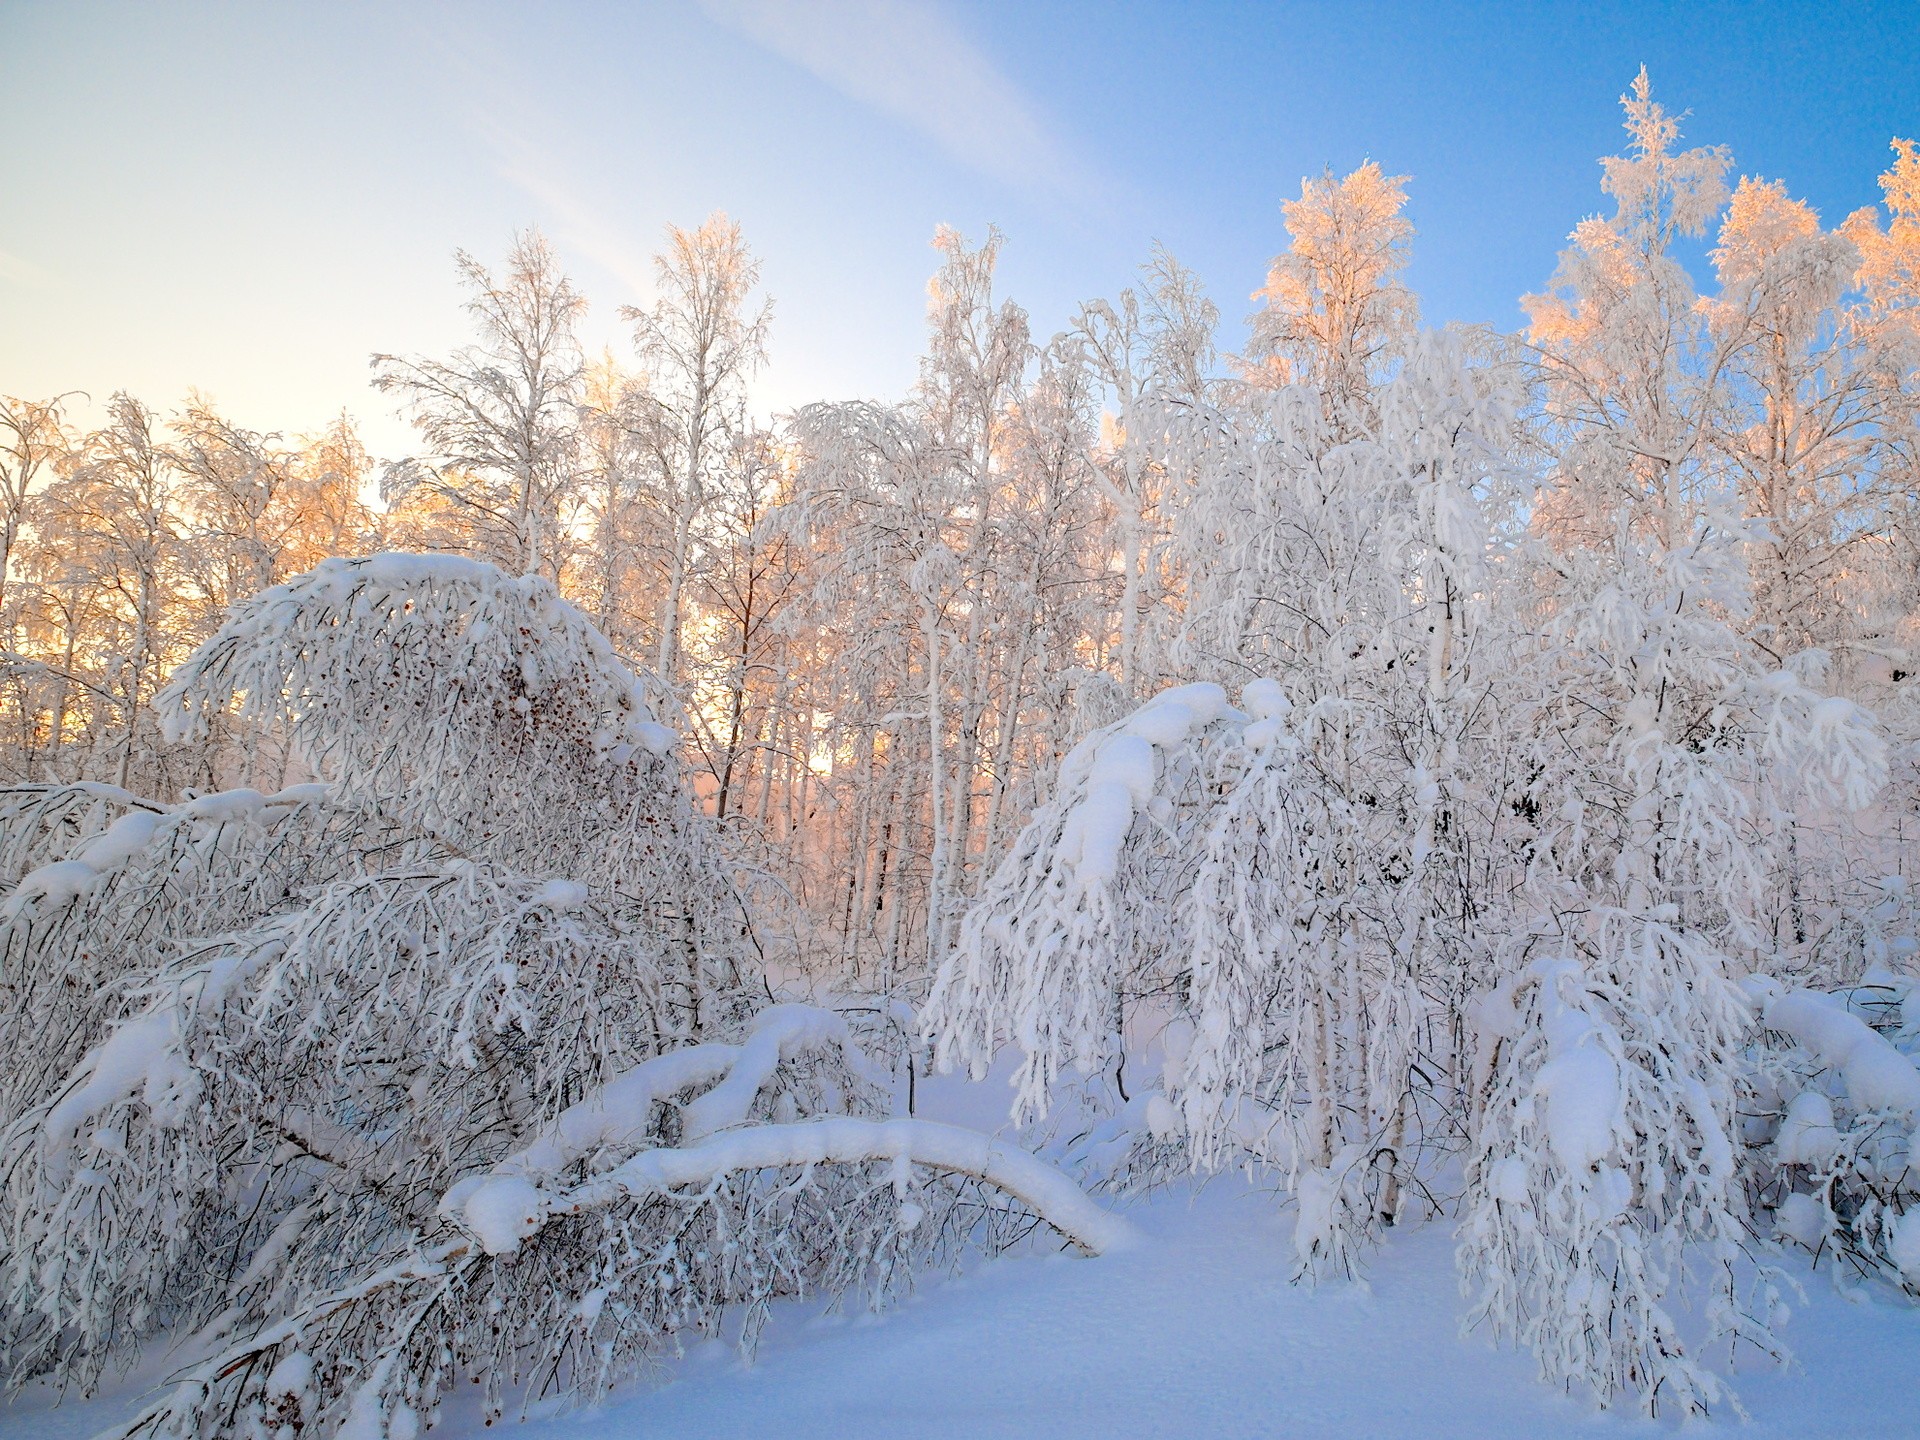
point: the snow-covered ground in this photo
(1196, 1332)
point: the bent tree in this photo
(454, 1062)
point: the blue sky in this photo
(251, 199)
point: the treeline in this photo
(881, 625)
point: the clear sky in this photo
(252, 198)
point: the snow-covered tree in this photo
(31, 442)
(1335, 308)
(500, 418)
(1659, 757)
(1152, 351)
(1887, 318)
(1804, 423)
(749, 576)
(454, 1062)
(699, 345)
(1478, 864)
(1890, 253)
(113, 529)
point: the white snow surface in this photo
(502, 1210)
(1905, 1249)
(618, 1112)
(1807, 1133)
(1195, 1332)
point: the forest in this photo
(492, 914)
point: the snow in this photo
(309, 793)
(1172, 716)
(561, 895)
(225, 805)
(400, 570)
(266, 1260)
(55, 884)
(64, 881)
(1095, 830)
(1877, 1076)
(1580, 1081)
(120, 842)
(1044, 1189)
(1198, 1332)
(1265, 699)
(367, 1418)
(1801, 1219)
(1195, 1332)
(121, 1064)
(1905, 1249)
(505, 1206)
(779, 1032)
(1164, 1121)
(503, 1210)
(1118, 770)
(292, 1376)
(1582, 1090)
(1509, 1181)
(263, 654)
(620, 1111)
(141, 1056)
(1127, 761)
(1317, 1195)
(1807, 1133)
(656, 738)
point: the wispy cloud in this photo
(541, 172)
(909, 59)
(24, 273)
(532, 150)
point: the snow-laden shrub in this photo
(455, 1063)
(1658, 762)
(1835, 1123)
(1605, 1161)
(1195, 865)
(1075, 891)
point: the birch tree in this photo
(499, 417)
(31, 441)
(1152, 351)
(699, 345)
